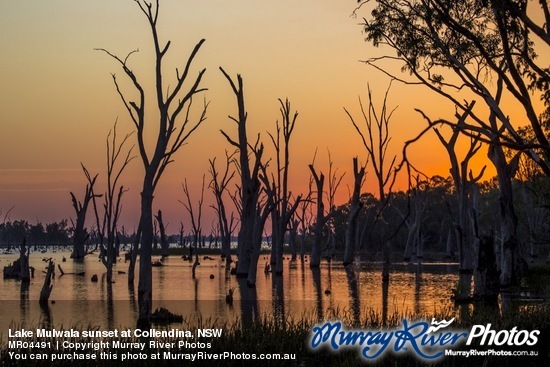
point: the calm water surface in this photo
(413, 288)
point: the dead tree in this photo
(335, 179)
(164, 245)
(284, 210)
(413, 219)
(117, 161)
(133, 256)
(511, 261)
(80, 234)
(376, 141)
(196, 220)
(47, 286)
(304, 217)
(170, 103)
(263, 210)
(464, 182)
(320, 218)
(500, 41)
(354, 210)
(218, 185)
(249, 188)
(292, 236)
(24, 253)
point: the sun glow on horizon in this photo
(58, 101)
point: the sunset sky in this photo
(58, 101)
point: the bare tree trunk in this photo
(172, 105)
(464, 234)
(355, 209)
(302, 215)
(412, 239)
(463, 181)
(414, 222)
(508, 220)
(145, 285)
(81, 208)
(262, 214)
(282, 214)
(319, 222)
(47, 286)
(250, 185)
(133, 255)
(196, 221)
(164, 245)
(24, 252)
(292, 239)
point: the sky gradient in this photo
(58, 101)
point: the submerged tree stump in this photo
(20, 268)
(13, 271)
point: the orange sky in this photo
(58, 102)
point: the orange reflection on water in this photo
(355, 292)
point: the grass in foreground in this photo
(292, 335)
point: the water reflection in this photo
(417, 287)
(353, 285)
(109, 308)
(24, 301)
(385, 292)
(132, 295)
(316, 275)
(278, 299)
(422, 288)
(46, 316)
(248, 304)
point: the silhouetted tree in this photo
(355, 207)
(304, 217)
(164, 244)
(248, 199)
(196, 219)
(413, 219)
(218, 185)
(80, 235)
(284, 210)
(117, 161)
(320, 218)
(464, 182)
(171, 137)
(471, 39)
(474, 40)
(376, 141)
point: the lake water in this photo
(413, 288)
